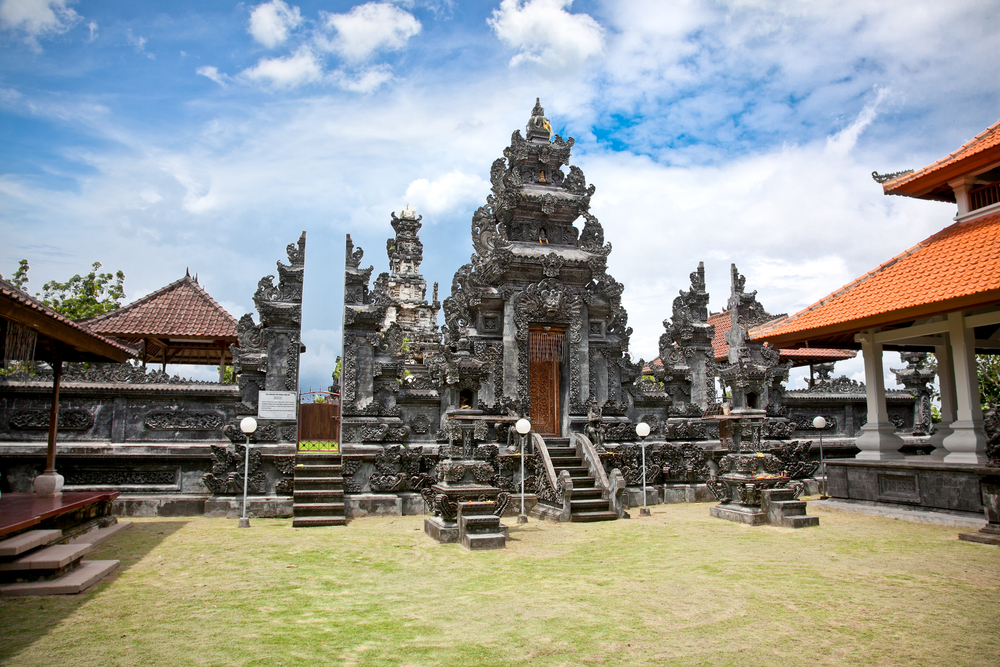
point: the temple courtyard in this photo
(675, 588)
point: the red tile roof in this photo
(931, 181)
(723, 322)
(21, 307)
(958, 268)
(182, 309)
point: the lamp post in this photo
(642, 430)
(523, 427)
(248, 426)
(820, 423)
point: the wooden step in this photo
(47, 558)
(95, 537)
(310, 521)
(27, 541)
(76, 580)
(593, 516)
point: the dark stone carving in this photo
(38, 420)
(796, 459)
(109, 477)
(183, 421)
(227, 473)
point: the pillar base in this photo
(49, 484)
(878, 442)
(941, 431)
(966, 443)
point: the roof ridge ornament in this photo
(885, 178)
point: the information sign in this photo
(277, 405)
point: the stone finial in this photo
(408, 213)
(538, 126)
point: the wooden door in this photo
(319, 425)
(544, 355)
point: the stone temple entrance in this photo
(544, 355)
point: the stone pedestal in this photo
(48, 484)
(990, 533)
(461, 487)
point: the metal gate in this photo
(319, 422)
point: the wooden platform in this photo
(20, 511)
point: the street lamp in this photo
(642, 430)
(820, 423)
(523, 427)
(248, 426)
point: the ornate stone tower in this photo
(536, 304)
(407, 289)
(686, 349)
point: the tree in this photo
(87, 296)
(988, 375)
(79, 297)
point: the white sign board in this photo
(277, 405)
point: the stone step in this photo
(799, 521)
(568, 452)
(47, 558)
(583, 483)
(791, 507)
(75, 581)
(593, 516)
(566, 461)
(317, 509)
(102, 535)
(586, 493)
(592, 505)
(27, 541)
(310, 521)
(483, 541)
(317, 456)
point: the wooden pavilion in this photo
(178, 324)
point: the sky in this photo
(156, 137)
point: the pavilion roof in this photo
(931, 182)
(723, 322)
(182, 309)
(956, 269)
(56, 333)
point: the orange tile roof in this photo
(181, 309)
(723, 322)
(16, 298)
(982, 150)
(956, 269)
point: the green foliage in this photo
(85, 296)
(319, 399)
(336, 370)
(20, 277)
(228, 377)
(988, 375)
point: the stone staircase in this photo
(479, 528)
(783, 510)
(43, 562)
(586, 502)
(318, 496)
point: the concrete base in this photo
(878, 442)
(158, 505)
(633, 496)
(989, 534)
(445, 532)
(76, 580)
(374, 504)
(244, 523)
(941, 518)
(919, 485)
(258, 507)
(48, 484)
(752, 516)
(412, 504)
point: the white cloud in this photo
(212, 72)
(139, 44)
(453, 190)
(374, 26)
(92, 27)
(365, 81)
(37, 18)
(299, 68)
(543, 32)
(272, 22)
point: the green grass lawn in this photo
(677, 588)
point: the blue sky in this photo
(158, 136)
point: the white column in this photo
(878, 440)
(946, 381)
(961, 187)
(967, 442)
